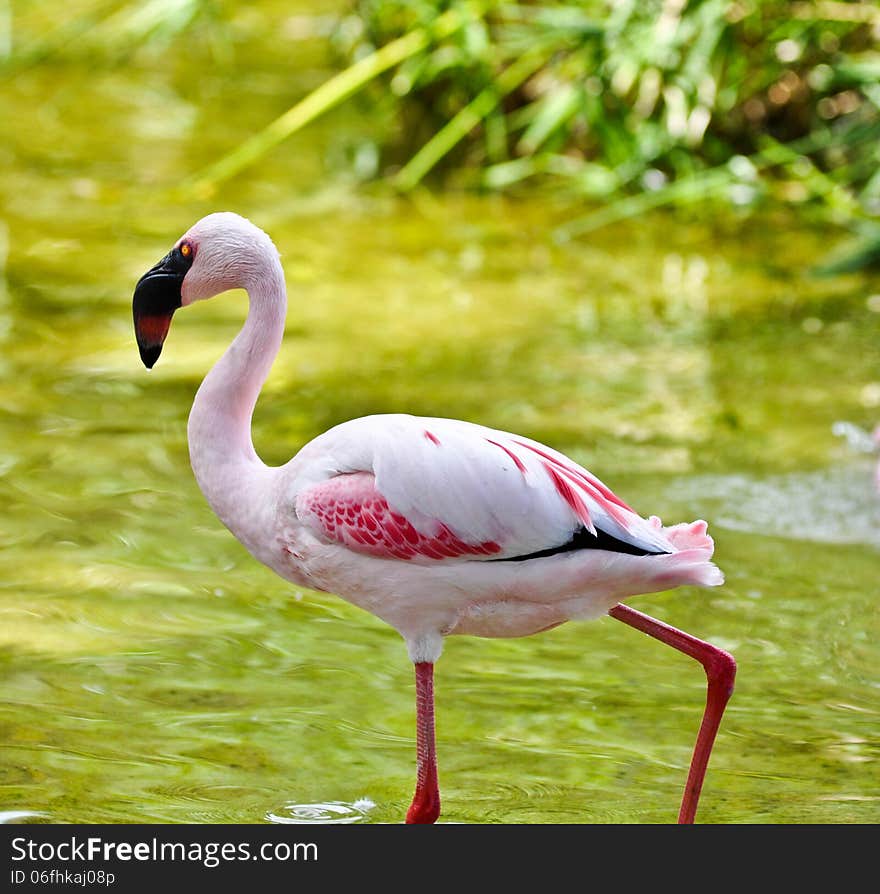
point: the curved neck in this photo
(219, 431)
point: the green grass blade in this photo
(331, 93)
(556, 109)
(467, 119)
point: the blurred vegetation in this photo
(637, 103)
(619, 106)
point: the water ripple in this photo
(14, 816)
(331, 812)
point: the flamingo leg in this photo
(720, 668)
(425, 807)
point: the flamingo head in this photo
(221, 251)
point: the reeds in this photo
(635, 104)
(620, 105)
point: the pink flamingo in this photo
(436, 526)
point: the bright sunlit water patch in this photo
(839, 504)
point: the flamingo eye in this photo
(186, 250)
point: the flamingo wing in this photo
(407, 487)
(351, 510)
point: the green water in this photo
(153, 672)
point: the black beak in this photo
(156, 297)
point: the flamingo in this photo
(436, 526)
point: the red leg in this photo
(720, 668)
(425, 807)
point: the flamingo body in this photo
(436, 526)
(423, 522)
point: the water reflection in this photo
(332, 812)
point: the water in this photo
(153, 672)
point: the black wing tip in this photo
(584, 539)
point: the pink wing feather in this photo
(406, 487)
(350, 509)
